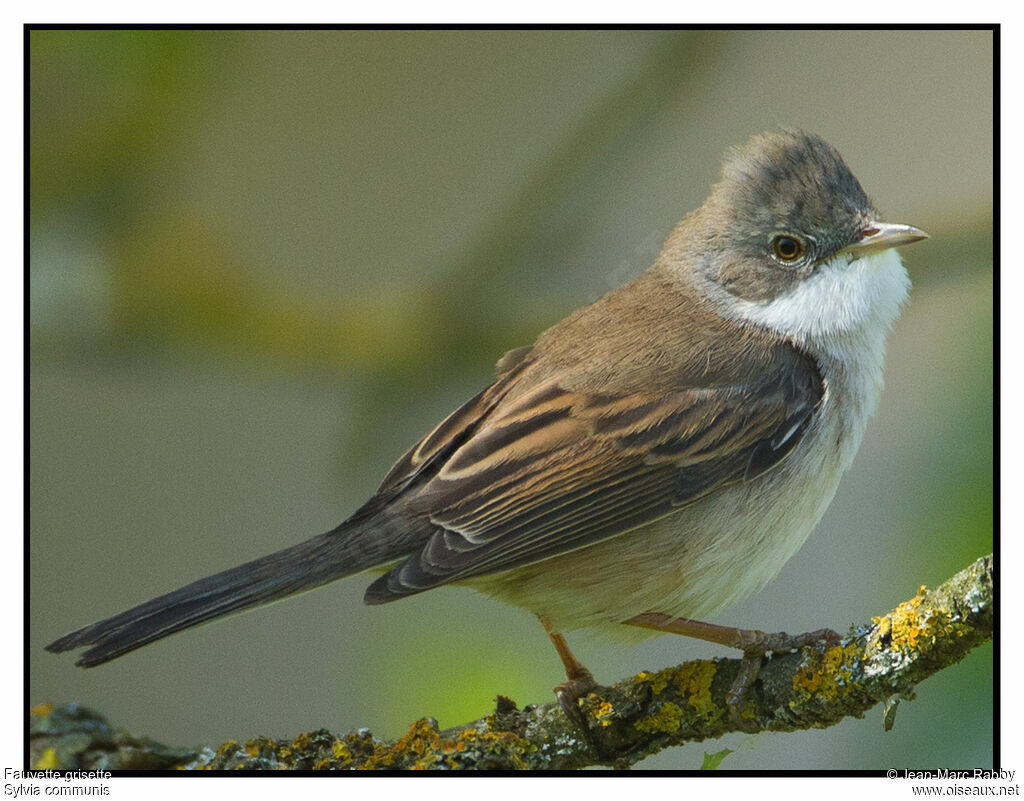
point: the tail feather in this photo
(289, 571)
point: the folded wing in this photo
(551, 470)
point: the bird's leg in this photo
(754, 644)
(579, 682)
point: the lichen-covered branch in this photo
(816, 687)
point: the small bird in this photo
(651, 459)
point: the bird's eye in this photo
(787, 248)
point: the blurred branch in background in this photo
(180, 280)
(177, 280)
(816, 687)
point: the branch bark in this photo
(816, 687)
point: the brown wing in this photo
(549, 470)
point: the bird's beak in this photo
(877, 236)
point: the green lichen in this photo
(694, 680)
(667, 719)
(827, 684)
(682, 697)
(658, 681)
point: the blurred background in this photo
(264, 263)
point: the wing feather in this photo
(549, 470)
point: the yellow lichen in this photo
(908, 627)
(603, 710)
(667, 719)
(694, 680)
(41, 710)
(828, 674)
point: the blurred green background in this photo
(264, 263)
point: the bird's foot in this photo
(756, 646)
(578, 685)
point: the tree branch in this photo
(816, 687)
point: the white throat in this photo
(841, 299)
(842, 315)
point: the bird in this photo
(654, 457)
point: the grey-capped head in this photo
(787, 218)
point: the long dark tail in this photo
(301, 567)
